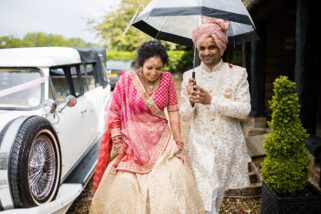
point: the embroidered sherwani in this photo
(217, 146)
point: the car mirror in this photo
(71, 101)
(49, 106)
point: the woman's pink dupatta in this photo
(144, 128)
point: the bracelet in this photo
(118, 143)
(117, 146)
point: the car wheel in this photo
(34, 163)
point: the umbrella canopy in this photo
(174, 20)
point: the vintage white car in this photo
(52, 103)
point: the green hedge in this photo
(120, 55)
(179, 61)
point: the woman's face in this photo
(152, 68)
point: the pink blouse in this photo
(165, 95)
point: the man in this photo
(215, 102)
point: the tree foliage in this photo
(114, 24)
(285, 169)
(41, 40)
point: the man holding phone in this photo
(215, 102)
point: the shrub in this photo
(180, 61)
(285, 169)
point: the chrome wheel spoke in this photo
(42, 167)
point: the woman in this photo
(148, 174)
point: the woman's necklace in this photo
(151, 87)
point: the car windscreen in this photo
(20, 88)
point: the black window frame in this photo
(69, 76)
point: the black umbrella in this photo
(174, 20)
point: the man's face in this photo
(209, 52)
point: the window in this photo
(26, 90)
(103, 70)
(61, 86)
(85, 81)
(89, 69)
(76, 81)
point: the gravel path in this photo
(230, 205)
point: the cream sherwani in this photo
(216, 143)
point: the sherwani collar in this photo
(214, 69)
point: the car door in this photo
(87, 106)
(69, 121)
(97, 94)
(90, 98)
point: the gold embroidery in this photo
(141, 91)
(172, 108)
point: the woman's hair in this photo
(150, 49)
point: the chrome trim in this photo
(90, 174)
(66, 195)
(6, 145)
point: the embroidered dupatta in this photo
(143, 127)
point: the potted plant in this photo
(285, 187)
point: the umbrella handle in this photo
(194, 61)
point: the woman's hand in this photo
(180, 144)
(119, 145)
(181, 154)
(113, 169)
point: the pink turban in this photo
(216, 28)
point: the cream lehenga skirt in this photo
(168, 189)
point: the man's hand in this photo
(191, 90)
(200, 95)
